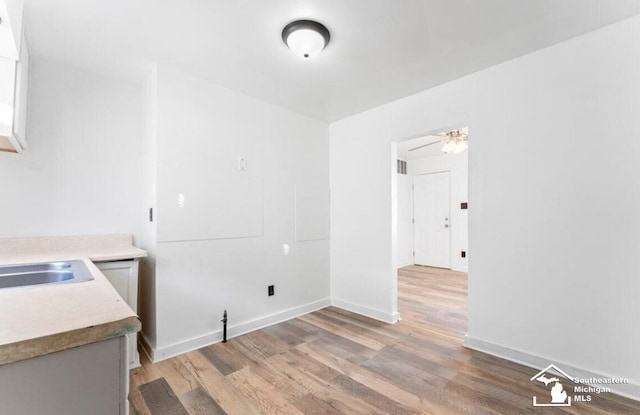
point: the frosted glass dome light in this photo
(306, 38)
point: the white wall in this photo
(553, 223)
(457, 166)
(82, 172)
(202, 130)
(405, 220)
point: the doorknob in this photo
(446, 225)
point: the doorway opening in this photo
(432, 232)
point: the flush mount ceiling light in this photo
(306, 38)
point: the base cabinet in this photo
(123, 275)
(91, 379)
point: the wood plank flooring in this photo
(434, 299)
(335, 362)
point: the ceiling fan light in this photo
(448, 147)
(454, 146)
(455, 141)
(306, 38)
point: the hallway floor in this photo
(434, 299)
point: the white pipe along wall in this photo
(405, 220)
(553, 223)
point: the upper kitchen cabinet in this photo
(14, 85)
(11, 13)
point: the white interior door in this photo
(431, 227)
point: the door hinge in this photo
(413, 220)
(150, 214)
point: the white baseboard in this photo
(390, 318)
(166, 352)
(630, 390)
(146, 345)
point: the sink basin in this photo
(59, 272)
(28, 268)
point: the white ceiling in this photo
(380, 50)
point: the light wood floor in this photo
(336, 362)
(434, 299)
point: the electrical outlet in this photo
(242, 163)
(271, 290)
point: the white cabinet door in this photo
(14, 91)
(7, 96)
(12, 15)
(21, 95)
(123, 275)
(90, 379)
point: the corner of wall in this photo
(385, 317)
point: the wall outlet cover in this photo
(242, 163)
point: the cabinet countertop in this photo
(43, 319)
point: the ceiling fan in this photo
(454, 141)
